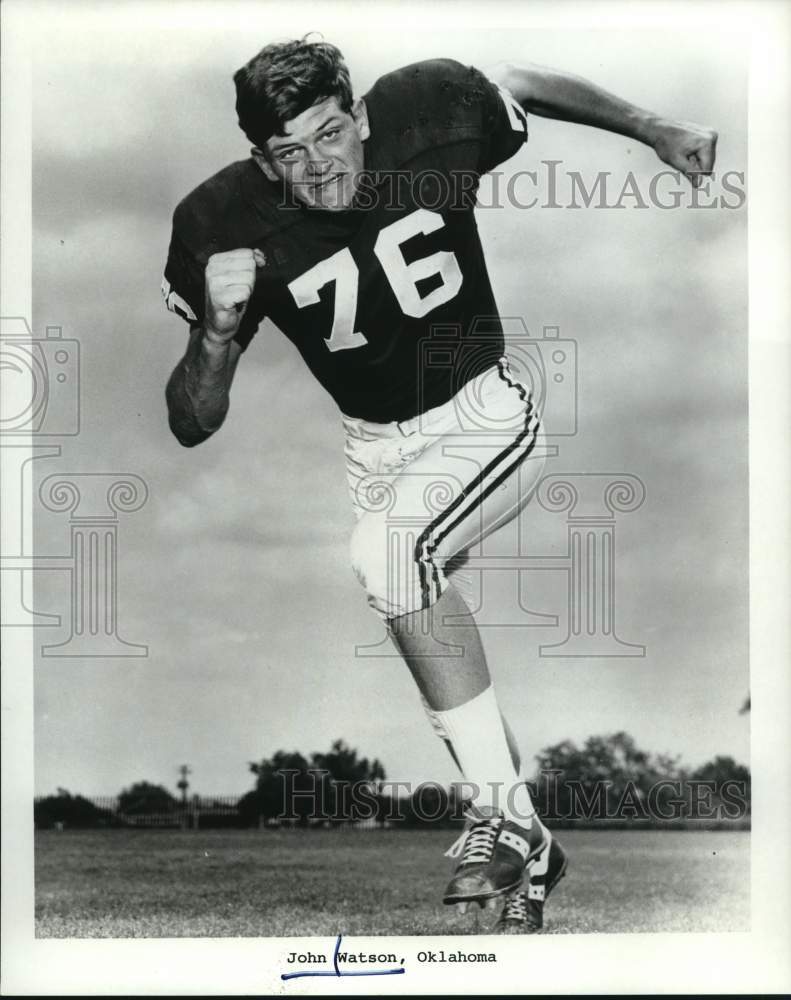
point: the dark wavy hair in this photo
(285, 79)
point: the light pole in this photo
(183, 784)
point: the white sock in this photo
(475, 731)
(539, 865)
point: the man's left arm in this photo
(552, 93)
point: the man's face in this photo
(320, 156)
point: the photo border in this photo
(757, 961)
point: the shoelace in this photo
(515, 907)
(477, 842)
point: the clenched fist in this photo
(230, 278)
(687, 147)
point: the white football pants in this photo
(426, 490)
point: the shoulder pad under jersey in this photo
(426, 105)
(234, 208)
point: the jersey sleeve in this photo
(183, 289)
(504, 126)
(183, 283)
(445, 109)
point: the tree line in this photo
(608, 780)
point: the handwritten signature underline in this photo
(337, 971)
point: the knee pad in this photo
(396, 565)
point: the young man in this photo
(352, 227)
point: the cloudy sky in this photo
(235, 573)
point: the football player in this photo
(352, 227)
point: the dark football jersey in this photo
(388, 302)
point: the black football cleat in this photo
(523, 910)
(494, 854)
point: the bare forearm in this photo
(552, 93)
(198, 390)
(685, 146)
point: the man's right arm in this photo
(198, 391)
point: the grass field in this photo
(151, 883)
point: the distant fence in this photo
(193, 814)
(215, 812)
(235, 812)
